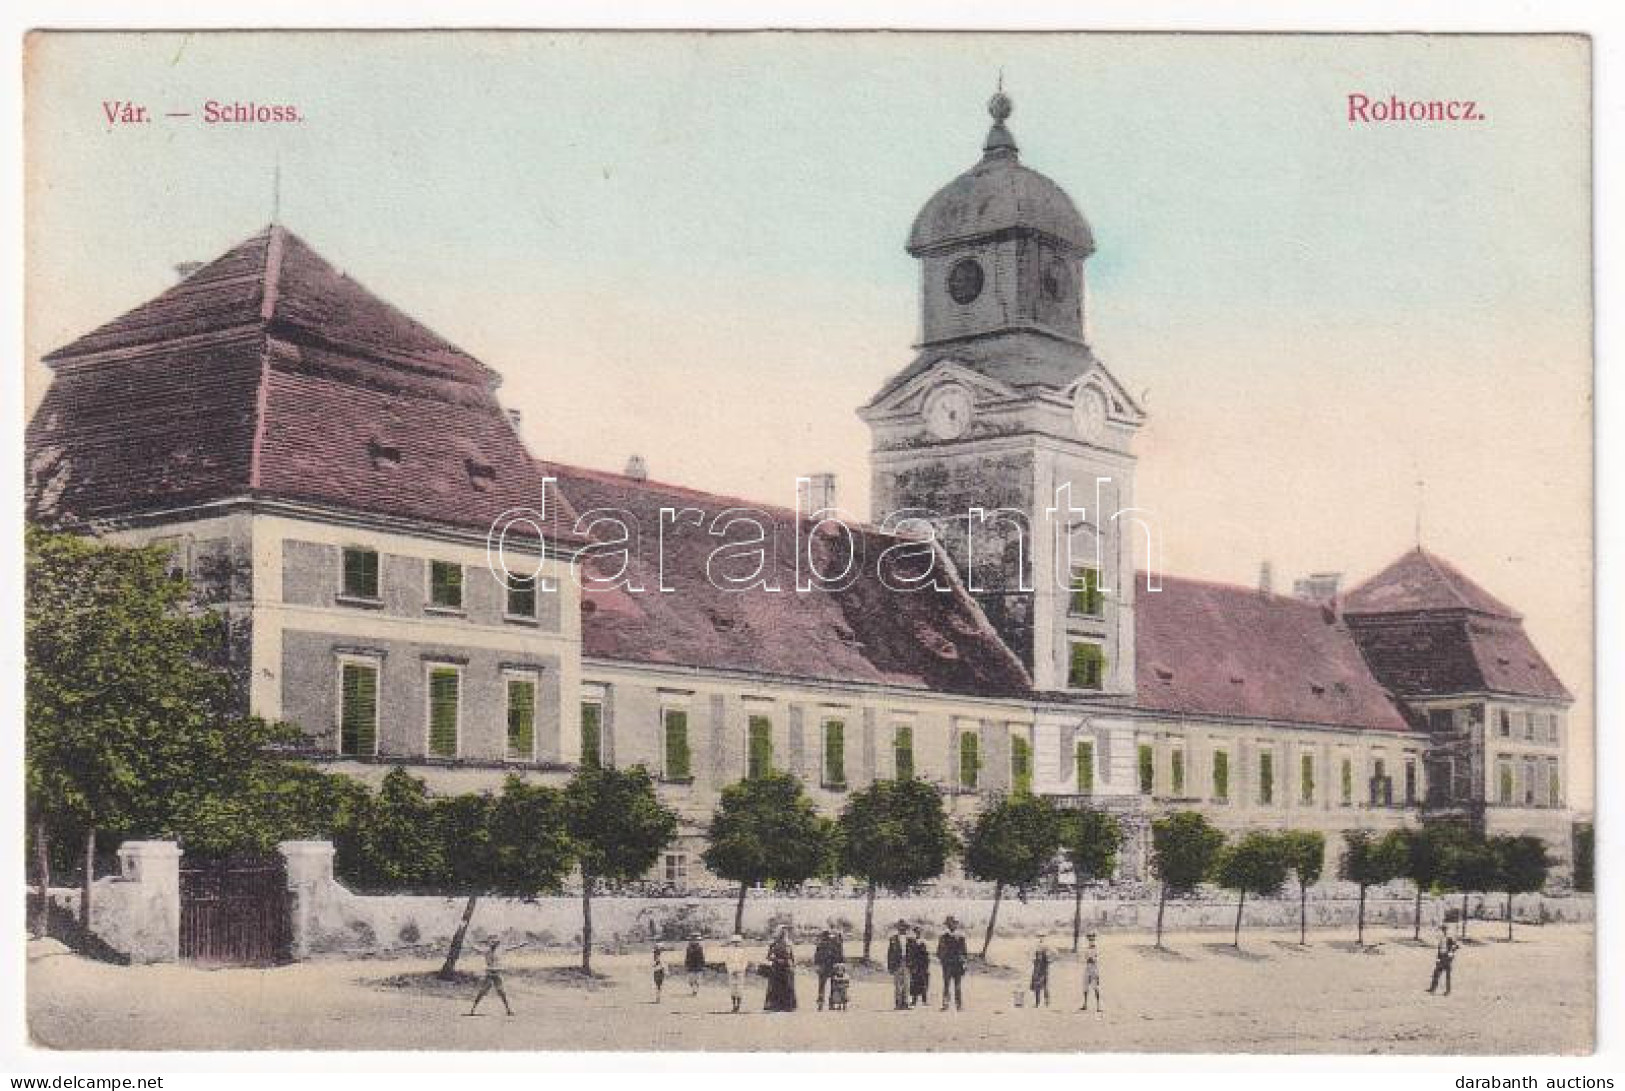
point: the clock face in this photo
(965, 281)
(948, 411)
(1089, 413)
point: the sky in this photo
(690, 246)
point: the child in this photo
(1040, 979)
(1091, 972)
(840, 982)
(493, 977)
(737, 963)
(694, 963)
(659, 969)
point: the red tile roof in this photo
(1217, 649)
(866, 632)
(268, 373)
(1419, 581)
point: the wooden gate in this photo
(235, 912)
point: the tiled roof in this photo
(268, 373)
(867, 632)
(1217, 649)
(1418, 582)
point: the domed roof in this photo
(999, 194)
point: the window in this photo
(1503, 782)
(1347, 776)
(1506, 724)
(360, 573)
(592, 732)
(1086, 767)
(522, 717)
(1148, 768)
(1306, 778)
(676, 868)
(1021, 765)
(1528, 726)
(1266, 777)
(1176, 769)
(1551, 727)
(1088, 666)
(759, 759)
(834, 754)
(445, 685)
(445, 585)
(902, 749)
(521, 599)
(1554, 784)
(674, 725)
(970, 759)
(358, 708)
(1087, 601)
(1221, 776)
(1531, 781)
(1410, 782)
(1382, 785)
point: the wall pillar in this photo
(150, 872)
(310, 874)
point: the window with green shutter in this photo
(675, 725)
(1087, 669)
(446, 585)
(1266, 777)
(834, 754)
(592, 732)
(1503, 773)
(1347, 786)
(1176, 773)
(521, 599)
(1221, 776)
(444, 684)
(970, 759)
(358, 712)
(1086, 767)
(522, 718)
(1021, 765)
(1306, 778)
(1148, 769)
(1554, 785)
(360, 573)
(902, 750)
(759, 761)
(1087, 600)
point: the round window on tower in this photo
(965, 281)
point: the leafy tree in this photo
(1091, 840)
(1585, 857)
(1011, 844)
(892, 834)
(393, 839)
(1469, 865)
(1257, 863)
(1370, 860)
(1184, 846)
(1305, 852)
(619, 827)
(766, 829)
(1424, 855)
(134, 723)
(1522, 865)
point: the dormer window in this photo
(384, 456)
(481, 475)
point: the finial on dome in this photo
(999, 140)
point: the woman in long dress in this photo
(781, 974)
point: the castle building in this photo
(328, 472)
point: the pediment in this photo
(910, 397)
(1120, 404)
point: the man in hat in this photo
(825, 956)
(1039, 983)
(952, 951)
(694, 963)
(1091, 971)
(737, 962)
(897, 965)
(1444, 958)
(493, 977)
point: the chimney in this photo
(637, 469)
(1266, 579)
(515, 418)
(816, 493)
(1321, 587)
(187, 268)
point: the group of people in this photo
(908, 960)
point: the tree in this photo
(1305, 852)
(1257, 863)
(1522, 865)
(1424, 854)
(1469, 865)
(393, 840)
(1585, 857)
(766, 829)
(1011, 844)
(1370, 860)
(619, 828)
(892, 834)
(1184, 846)
(134, 720)
(1090, 839)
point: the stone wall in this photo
(136, 913)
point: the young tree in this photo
(766, 829)
(1369, 860)
(1184, 846)
(619, 827)
(1011, 844)
(1469, 865)
(892, 834)
(1305, 852)
(1424, 854)
(1521, 865)
(1090, 839)
(1257, 863)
